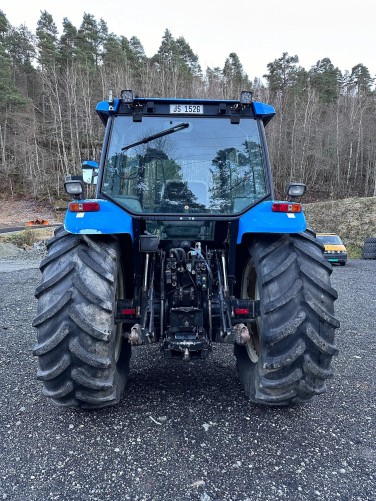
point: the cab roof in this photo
(161, 106)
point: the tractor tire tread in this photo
(297, 322)
(75, 322)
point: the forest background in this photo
(323, 134)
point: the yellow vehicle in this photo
(334, 249)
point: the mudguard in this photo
(261, 219)
(109, 219)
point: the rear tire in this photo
(83, 361)
(291, 347)
(369, 248)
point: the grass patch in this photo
(21, 238)
(354, 251)
(26, 238)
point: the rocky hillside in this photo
(354, 219)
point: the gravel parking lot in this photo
(185, 431)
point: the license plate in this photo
(334, 260)
(187, 109)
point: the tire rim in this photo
(250, 290)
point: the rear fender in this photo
(261, 219)
(109, 219)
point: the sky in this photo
(258, 32)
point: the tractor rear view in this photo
(184, 246)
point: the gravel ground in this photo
(185, 431)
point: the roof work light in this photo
(127, 96)
(246, 97)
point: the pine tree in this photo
(90, 38)
(20, 43)
(137, 61)
(137, 50)
(325, 78)
(114, 54)
(214, 82)
(234, 78)
(282, 73)
(9, 94)
(68, 42)
(187, 57)
(20, 46)
(47, 40)
(177, 66)
(4, 25)
(360, 79)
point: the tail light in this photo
(286, 207)
(84, 206)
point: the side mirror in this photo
(90, 171)
(74, 186)
(295, 190)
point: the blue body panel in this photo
(265, 111)
(90, 163)
(104, 109)
(261, 219)
(110, 219)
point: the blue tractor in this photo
(183, 245)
